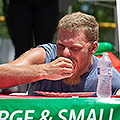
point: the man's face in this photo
(75, 47)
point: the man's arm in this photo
(30, 67)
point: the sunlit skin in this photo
(75, 47)
(74, 53)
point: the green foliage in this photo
(1, 6)
(3, 27)
(103, 11)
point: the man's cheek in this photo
(59, 53)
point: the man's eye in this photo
(61, 46)
(76, 49)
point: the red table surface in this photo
(39, 97)
(26, 97)
(29, 97)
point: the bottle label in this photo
(105, 71)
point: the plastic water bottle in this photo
(104, 77)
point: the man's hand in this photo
(58, 69)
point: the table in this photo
(51, 108)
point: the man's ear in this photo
(94, 47)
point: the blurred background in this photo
(105, 13)
(104, 10)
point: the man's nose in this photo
(66, 52)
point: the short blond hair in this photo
(80, 21)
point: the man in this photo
(68, 66)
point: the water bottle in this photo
(104, 76)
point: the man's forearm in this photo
(13, 75)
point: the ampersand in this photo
(45, 114)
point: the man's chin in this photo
(73, 80)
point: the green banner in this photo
(60, 109)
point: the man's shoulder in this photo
(51, 53)
(115, 73)
(48, 46)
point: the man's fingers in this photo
(59, 69)
(65, 60)
(65, 64)
(66, 70)
(67, 75)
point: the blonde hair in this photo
(80, 21)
